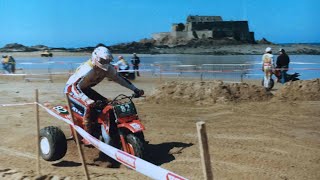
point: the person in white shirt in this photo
(267, 66)
(122, 64)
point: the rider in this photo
(89, 74)
(267, 66)
(122, 65)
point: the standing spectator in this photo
(8, 64)
(135, 60)
(267, 66)
(283, 61)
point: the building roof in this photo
(204, 18)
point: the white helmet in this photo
(268, 49)
(101, 57)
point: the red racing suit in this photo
(82, 96)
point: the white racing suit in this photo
(82, 96)
(267, 68)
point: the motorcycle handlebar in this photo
(101, 104)
(123, 96)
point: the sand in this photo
(252, 133)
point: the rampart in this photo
(202, 27)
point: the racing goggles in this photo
(107, 60)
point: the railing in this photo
(170, 69)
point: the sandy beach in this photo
(253, 134)
(199, 61)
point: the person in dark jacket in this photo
(135, 60)
(283, 61)
(8, 64)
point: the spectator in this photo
(135, 60)
(8, 64)
(283, 61)
(267, 66)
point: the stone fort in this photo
(202, 27)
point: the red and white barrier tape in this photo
(40, 74)
(64, 73)
(133, 162)
(19, 104)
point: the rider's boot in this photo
(88, 128)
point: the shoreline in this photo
(246, 49)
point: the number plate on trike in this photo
(125, 109)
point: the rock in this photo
(264, 41)
(40, 47)
(15, 47)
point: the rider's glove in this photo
(138, 93)
(100, 104)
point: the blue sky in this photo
(78, 23)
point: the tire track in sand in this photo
(13, 152)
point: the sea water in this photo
(248, 65)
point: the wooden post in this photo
(204, 150)
(160, 72)
(38, 131)
(77, 141)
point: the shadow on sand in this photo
(66, 164)
(163, 153)
(157, 154)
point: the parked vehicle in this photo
(289, 77)
(46, 53)
(129, 74)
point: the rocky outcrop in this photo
(144, 46)
(15, 47)
(40, 47)
(263, 41)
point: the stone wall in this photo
(236, 29)
(182, 34)
(204, 34)
(201, 26)
(203, 18)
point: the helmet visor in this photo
(106, 61)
